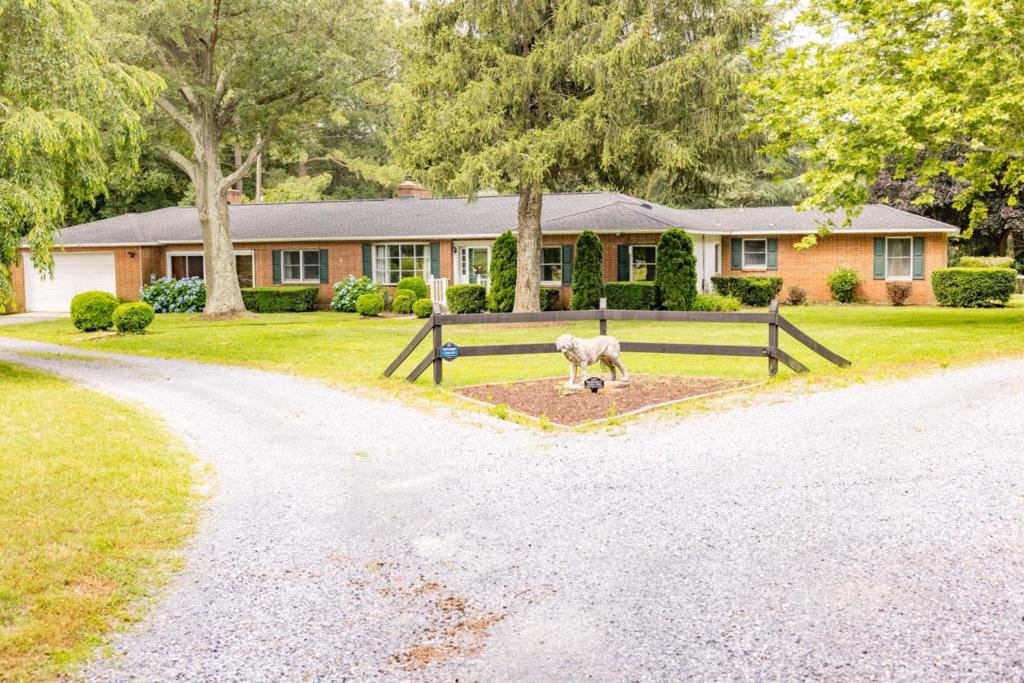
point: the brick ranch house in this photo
(320, 243)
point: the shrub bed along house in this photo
(797, 296)
(279, 299)
(631, 296)
(416, 285)
(973, 287)
(467, 298)
(91, 311)
(550, 299)
(370, 304)
(422, 308)
(351, 288)
(133, 317)
(898, 292)
(714, 303)
(167, 295)
(843, 282)
(751, 290)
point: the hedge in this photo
(631, 296)
(973, 287)
(466, 298)
(715, 303)
(751, 290)
(280, 299)
(550, 299)
(985, 262)
(92, 311)
(133, 318)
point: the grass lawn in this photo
(881, 341)
(95, 500)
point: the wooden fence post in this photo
(438, 363)
(602, 322)
(773, 338)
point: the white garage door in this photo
(72, 274)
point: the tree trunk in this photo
(223, 295)
(528, 249)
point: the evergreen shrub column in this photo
(587, 285)
(503, 273)
(675, 274)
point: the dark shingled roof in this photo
(488, 216)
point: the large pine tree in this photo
(523, 95)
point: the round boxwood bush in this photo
(973, 287)
(503, 273)
(715, 303)
(843, 282)
(370, 304)
(403, 302)
(409, 293)
(133, 318)
(416, 284)
(467, 298)
(92, 311)
(676, 271)
(423, 307)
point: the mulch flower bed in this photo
(548, 398)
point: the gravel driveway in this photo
(876, 532)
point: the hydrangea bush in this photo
(168, 295)
(350, 289)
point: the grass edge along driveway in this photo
(97, 500)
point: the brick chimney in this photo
(234, 195)
(410, 189)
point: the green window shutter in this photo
(368, 260)
(736, 254)
(879, 258)
(773, 254)
(918, 258)
(435, 259)
(622, 272)
(566, 265)
(323, 266)
(275, 259)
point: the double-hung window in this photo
(642, 260)
(183, 265)
(899, 256)
(755, 254)
(300, 266)
(551, 265)
(392, 262)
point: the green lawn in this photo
(95, 500)
(881, 341)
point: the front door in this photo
(474, 265)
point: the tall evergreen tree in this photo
(520, 95)
(503, 273)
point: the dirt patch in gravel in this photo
(547, 398)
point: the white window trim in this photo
(302, 268)
(238, 252)
(551, 283)
(743, 254)
(654, 246)
(427, 277)
(899, 278)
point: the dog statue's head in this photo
(566, 342)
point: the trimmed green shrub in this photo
(409, 293)
(973, 287)
(715, 302)
(843, 282)
(587, 286)
(502, 295)
(550, 299)
(631, 296)
(370, 304)
(133, 318)
(675, 275)
(467, 298)
(796, 296)
(403, 302)
(280, 299)
(751, 290)
(92, 311)
(168, 295)
(416, 284)
(898, 292)
(423, 307)
(351, 288)
(985, 262)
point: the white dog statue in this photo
(582, 353)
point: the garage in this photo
(72, 274)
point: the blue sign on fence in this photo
(449, 351)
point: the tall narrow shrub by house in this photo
(503, 273)
(587, 284)
(675, 274)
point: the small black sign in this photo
(449, 351)
(594, 383)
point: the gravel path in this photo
(876, 532)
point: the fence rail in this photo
(771, 350)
